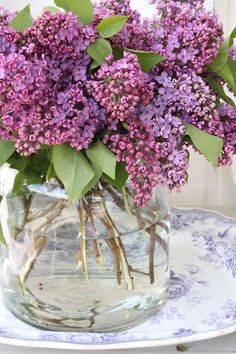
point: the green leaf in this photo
(62, 4)
(147, 60)
(20, 185)
(223, 54)
(82, 8)
(39, 162)
(24, 179)
(2, 239)
(18, 162)
(23, 20)
(218, 103)
(110, 26)
(219, 89)
(99, 50)
(209, 145)
(232, 67)
(98, 175)
(100, 155)
(121, 176)
(228, 75)
(6, 150)
(51, 173)
(51, 9)
(73, 169)
(221, 59)
(94, 65)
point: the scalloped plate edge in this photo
(210, 211)
(124, 345)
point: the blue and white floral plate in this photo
(202, 301)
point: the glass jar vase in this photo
(99, 265)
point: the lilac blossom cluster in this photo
(50, 95)
(43, 85)
(228, 117)
(138, 33)
(190, 37)
(8, 35)
(232, 53)
(120, 86)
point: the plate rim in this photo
(119, 345)
(44, 344)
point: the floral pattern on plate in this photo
(203, 262)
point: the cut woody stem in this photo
(27, 204)
(119, 245)
(82, 256)
(114, 241)
(115, 250)
(39, 242)
(152, 253)
(96, 243)
(126, 201)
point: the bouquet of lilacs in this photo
(94, 92)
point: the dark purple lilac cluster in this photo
(121, 86)
(50, 95)
(44, 98)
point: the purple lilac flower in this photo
(60, 34)
(138, 33)
(119, 87)
(8, 36)
(44, 100)
(190, 36)
(228, 116)
(48, 95)
(232, 53)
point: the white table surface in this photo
(221, 345)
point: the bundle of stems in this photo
(87, 216)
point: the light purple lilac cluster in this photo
(232, 53)
(138, 33)
(190, 37)
(49, 94)
(228, 117)
(8, 37)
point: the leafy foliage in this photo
(101, 156)
(2, 239)
(220, 91)
(62, 4)
(223, 65)
(51, 9)
(6, 150)
(74, 171)
(147, 60)
(23, 20)
(82, 8)
(24, 179)
(94, 181)
(120, 178)
(99, 50)
(110, 26)
(209, 145)
(223, 55)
